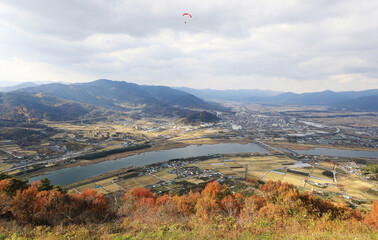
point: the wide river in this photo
(70, 175)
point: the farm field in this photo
(357, 188)
(295, 179)
(318, 172)
(264, 168)
(4, 166)
(141, 181)
(164, 174)
(273, 176)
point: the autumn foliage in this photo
(51, 207)
(372, 217)
(215, 212)
(277, 204)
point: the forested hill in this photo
(21, 106)
(109, 93)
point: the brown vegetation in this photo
(279, 211)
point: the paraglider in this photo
(186, 14)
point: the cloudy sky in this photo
(291, 45)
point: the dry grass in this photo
(113, 188)
(164, 174)
(142, 181)
(273, 176)
(317, 172)
(294, 179)
(86, 186)
(4, 166)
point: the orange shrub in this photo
(372, 217)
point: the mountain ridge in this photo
(337, 100)
(121, 95)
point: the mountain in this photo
(123, 96)
(366, 103)
(315, 98)
(21, 106)
(103, 93)
(174, 97)
(199, 117)
(352, 100)
(18, 86)
(228, 95)
(109, 93)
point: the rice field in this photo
(4, 166)
(317, 172)
(164, 174)
(138, 182)
(273, 176)
(295, 179)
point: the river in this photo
(70, 175)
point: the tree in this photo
(372, 217)
(4, 176)
(45, 185)
(14, 185)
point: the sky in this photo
(291, 45)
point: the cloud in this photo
(281, 45)
(19, 70)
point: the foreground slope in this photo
(274, 210)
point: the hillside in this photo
(19, 106)
(274, 211)
(366, 103)
(201, 117)
(122, 95)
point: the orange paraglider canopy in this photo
(187, 14)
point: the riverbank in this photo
(157, 146)
(300, 146)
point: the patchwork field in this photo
(164, 174)
(273, 176)
(4, 166)
(357, 188)
(317, 172)
(295, 179)
(138, 182)
(264, 168)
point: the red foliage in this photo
(3, 184)
(372, 217)
(139, 193)
(272, 211)
(52, 206)
(212, 189)
(252, 180)
(230, 205)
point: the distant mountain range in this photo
(241, 95)
(350, 100)
(18, 86)
(122, 95)
(58, 101)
